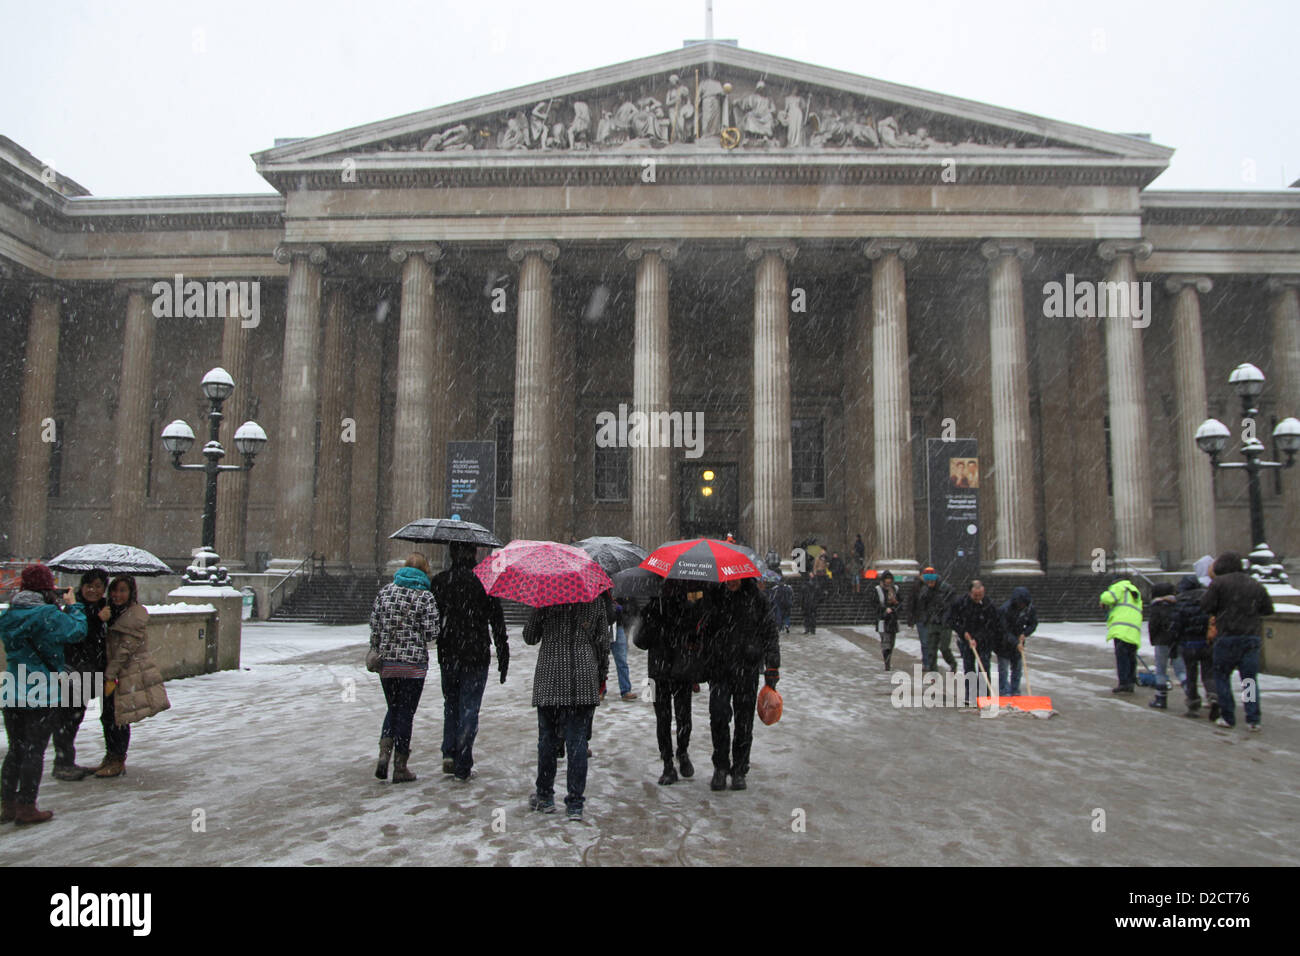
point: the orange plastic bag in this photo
(770, 705)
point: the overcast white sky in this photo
(170, 98)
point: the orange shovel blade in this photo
(1019, 702)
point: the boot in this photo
(1214, 710)
(27, 813)
(113, 767)
(719, 781)
(448, 764)
(1160, 702)
(688, 768)
(400, 773)
(669, 775)
(8, 809)
(738, 781)
(72, 772)
(385, 752)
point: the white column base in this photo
(905, 565)
(1015, 566)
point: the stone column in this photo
(1195, 479)
(1130, 442)
(534, 382)
(295, 444)
(334, 478)
(1285, 311)
(891, 393)
(232, 487)
(131, 424)
(36, 426)
(412, 424)
(362, 406)
(1013, 464)
(858, 442)
(564, 344)
(773, 481)
(651, 478)
(445, 400)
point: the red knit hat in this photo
(37, 577)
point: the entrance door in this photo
(710, 499)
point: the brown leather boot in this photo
(400, 773)
(7, 811)
(27, 813)
(113, 767)
(385, 754)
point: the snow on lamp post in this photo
(1212, 437)
(178, 437)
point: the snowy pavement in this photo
(273, 765)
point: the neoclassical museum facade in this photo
(819, 269)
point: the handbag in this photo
(373, 660)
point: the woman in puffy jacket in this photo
(133, 685)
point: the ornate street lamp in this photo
(177, 438)
(1212, 437)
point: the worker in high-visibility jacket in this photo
(1124, 627)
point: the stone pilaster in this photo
(412, 425)
(334, 478)
(534, 383)
(564, 343)
(891, 394)
(232, 487)
(362, 405)
(131, 424)
(35, 414)
(445, 399)
(1017, 537)
(1130, 444)
(295, 444)
(1285, 313)
(651, 477)
(1195, 481)
(858, 429)
(773, 481)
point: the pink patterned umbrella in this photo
(542, 573)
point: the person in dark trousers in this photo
(838, 572)
(740, 641)
(471, 622)
(1019, 620)
(783, 600)
(403, 623)
(1163, 634)
(859, 562)
(572, 663)
(1236, 602)
(87, 658)
(978, 624)
(887, 605)
(133, 684)
(668, 632)
(1123, 603)
(1191, 624)
(810, 596)
(929, 615)
(35, 631)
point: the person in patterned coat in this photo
(572, 663)
(403, 623)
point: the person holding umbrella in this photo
(464, 653)
(84, 657)
(668, 632)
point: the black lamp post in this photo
(177, 439)
(1212, 437)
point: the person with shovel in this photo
(1019, 619)
(976, 619)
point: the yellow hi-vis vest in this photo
(1124, 622)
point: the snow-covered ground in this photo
(276, 759)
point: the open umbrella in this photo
(701, 559)
(542, 573)
(447, 531)
(637, 583)
(771, 577)
(113, 558)
(613, 554)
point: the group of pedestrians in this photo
(57, 644)
(1207, 628)
(722, 634)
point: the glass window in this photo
(611, 473)
(808, 459)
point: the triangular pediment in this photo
(722, 100)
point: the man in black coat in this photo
(668, 632)
(1189, 629)
(810, 596)
(978, 624)
(471, 622)
(740, 640)
(1236, 601)
(929, 615)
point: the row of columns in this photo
(541, 424)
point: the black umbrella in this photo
(637, 583)
(447, 531)
(613, 554)
(113, 558)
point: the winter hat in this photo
(37, 577)
(1202, 569)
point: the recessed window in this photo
(808, 459)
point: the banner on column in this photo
(953, 493)
(472, 481)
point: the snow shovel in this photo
(1028, 704)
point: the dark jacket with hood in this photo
(1162, 620)
(1019, 618)
(980, 620)
(471, 620)
(668, 632)
(1237, 602)
(739, 636)
(1190, 622)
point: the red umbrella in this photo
(700, 559)
(542, 573)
